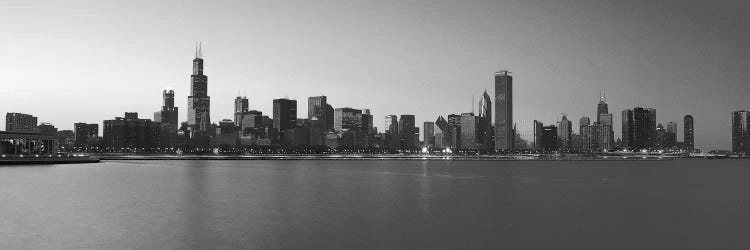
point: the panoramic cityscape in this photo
(328, 129)
(349, 124)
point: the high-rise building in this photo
(564, 133)
(316, 111)
(241, 105)
(469, 128)
(670, 136)
(549, 138)
(284, 114)
(167, 117)
(741, 132)
(347, 119)
(660, 137)
(391, 124)
(199, 103)
(454, 130)
(485, 119)
(391, 139)
(226, 134)
(584, 130)
(367, 122)
(605, 140)
(643, 129)
(429, 134)
(18, 122)
(689, 133)
(132, 133)
(602, 107)
(441, 134)
(407, 129)
(85, 133)
(503, 111)
(627, 129)
(329, 117)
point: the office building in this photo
(627, 129)
(407, 130)
(486, 132)
(167, 117)
(241, 106)
(741, 132)
(22, 123)
(428, 134)
(548, 140)
(503, 111)
(131, 133)
(347, 119)
(441, 127)
(199, 103)
(564, 134)
(284, 114)
(670, 136)
(316, 111)
(689, 133)
(85, 133)
(469, 131)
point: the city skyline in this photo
(94, 68)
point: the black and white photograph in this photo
(393, 124)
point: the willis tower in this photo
(199, 103)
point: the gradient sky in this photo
(87, 61)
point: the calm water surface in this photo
(681, 204)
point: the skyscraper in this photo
(503, 111)
(741, 132)
(429, 134)
(627, 129)
(441, 136)
(689, 133)
(18, 122)
(199, 103)
(316, 111)
(602, 107)
(390, 131)
(605, 139)
(584, 130)
(643, 129)
(454, 130)
(564, 132)
(167, 118)
(241, 105)
(469, 128)
(670, 136)
(406, 129)
(485, 119)
(549, 138)
(284, 114)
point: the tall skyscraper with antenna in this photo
(199, 103)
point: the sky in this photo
(88, 61)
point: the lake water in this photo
(680, 204)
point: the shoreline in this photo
(389, 157)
